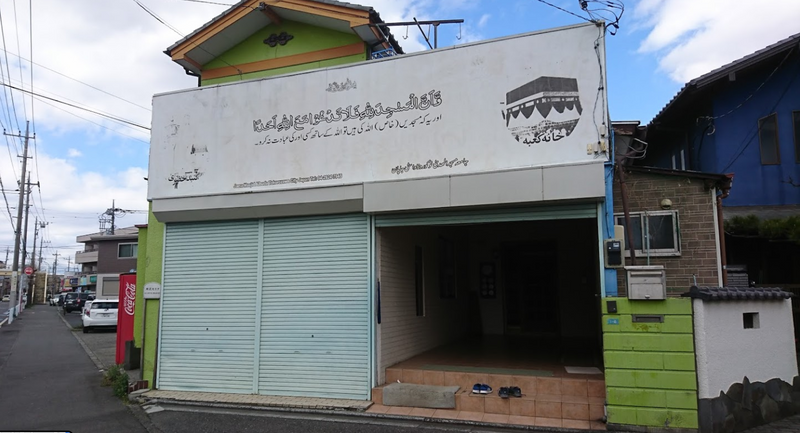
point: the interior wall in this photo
(578, 283)
(403, 334)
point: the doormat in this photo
(490, 370)
(583, 370)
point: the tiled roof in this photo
(737, 293)
(723, 71)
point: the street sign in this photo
(28, 270)
(152, 291)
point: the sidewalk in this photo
(47, 381)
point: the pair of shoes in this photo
(506, 392)
(481, 388)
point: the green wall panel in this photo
(650, 367)
(152, 274)
(141, 262)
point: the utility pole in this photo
(32, 281)
(6, 262)
(27, 191)
(55, 268)
(69, 262)
(15, 267)
(113, 212)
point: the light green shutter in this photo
(478, 216)
(208, 316)
(315, 307)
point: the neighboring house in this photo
(744, 119)
(104, 257)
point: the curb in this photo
(342, 413)
(88, 351)
(143, 418)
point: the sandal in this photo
(503, 393)
(515, 391)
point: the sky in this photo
(107, 56)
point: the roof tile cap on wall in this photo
(737, 293)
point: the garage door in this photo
(208, 316)
(315, 307)
(534, 213)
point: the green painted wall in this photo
(650, 367)
(141, 261)
(307, 39)
(154, 250)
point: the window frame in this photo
(619, 219)
(796, 135)
(777, 141)
(135, 253)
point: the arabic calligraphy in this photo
(350, 112)
(290, 180)
(341, 87)
(432, 164)
(363, 128)
(189, 176)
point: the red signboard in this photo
(127, 302)
(28, 270)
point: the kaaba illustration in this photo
(543, 110)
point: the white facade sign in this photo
(152, 291)
(524, 101)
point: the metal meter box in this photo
(646, 282)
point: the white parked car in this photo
(101, 313)
(86, 306)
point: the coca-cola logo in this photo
(130, 298)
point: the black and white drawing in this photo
(543, 110)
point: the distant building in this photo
(103, 258)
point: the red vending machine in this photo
(125, 311)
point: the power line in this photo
(95, 123)
(118, 119)
(77, 80)
(8, 208)
(21, 80)
(208, 2)
(8, 71)
(564, 10)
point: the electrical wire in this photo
(564, 10)
(159, 19)
(16, 30)
(208, 2)
(8, 208)
(93, 122)
(8, 71)
(118, 119)
(77, 80)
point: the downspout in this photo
(726, 190)
(623, 188)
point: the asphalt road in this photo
(47, 381)
(207, 420)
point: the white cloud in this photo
(484, 19)
(74, 153)
(694, 37)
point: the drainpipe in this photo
(623, 188)
(726, 190)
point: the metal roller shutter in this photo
(208, 316)
(584, 210)
(315, 307)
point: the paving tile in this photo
(470, 416)
(398, 410)
(521, 420)
(378, 408)
(377, 396)
(596, 412)
(413, 376)
(527, 384)
(548, 422)
(495, 418)
(435, 378)
(499, 380)
(598, 425)
(454, 378)
(577, 424)
(393, 375)
(596, 388)
(547, 409)
(522, 407)
(494, 404)
(574, 387)
(578, 411)
(422, 411)
(445, 414)
(548, 397)
(470, 402)
(548, 385)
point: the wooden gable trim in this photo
(354, 16)
(213, 28)
(281, 62)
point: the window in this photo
(796, 123)
(768, 137)
(128, 250)
(663, 233)
(419, 281)
(751, 321)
